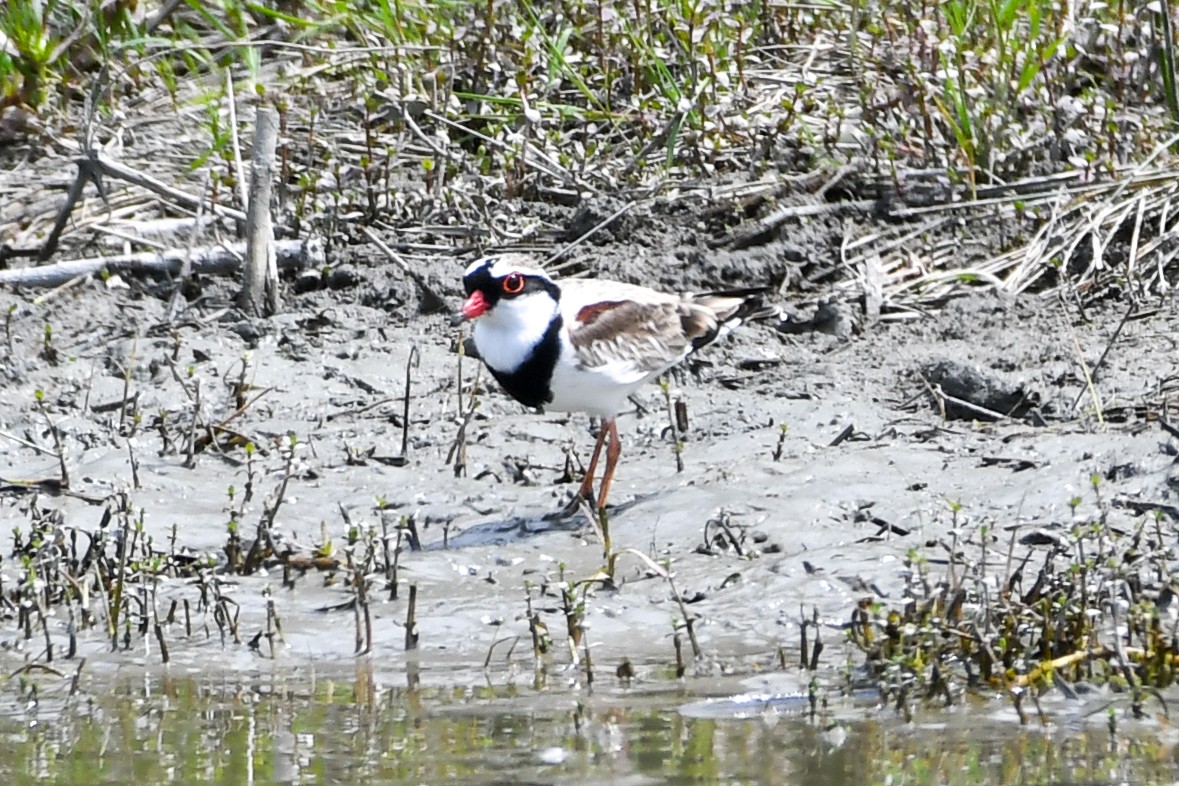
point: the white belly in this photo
(588, 391)
(600, 390)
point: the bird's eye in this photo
(514, 284)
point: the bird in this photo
(585, 345)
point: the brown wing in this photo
(649, 337)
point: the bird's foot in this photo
(571, 508)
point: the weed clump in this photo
(1092, 604)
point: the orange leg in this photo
(612, 453)
(587, 483)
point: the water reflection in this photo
(289, 731)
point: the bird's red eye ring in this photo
(514, 284)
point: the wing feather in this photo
(641, 331)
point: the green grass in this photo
(403, 111)
(987, 89)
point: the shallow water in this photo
(278, 729)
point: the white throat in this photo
(507, 334)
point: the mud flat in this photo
(814, 465)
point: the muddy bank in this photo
(814, 463)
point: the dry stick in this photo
(1135, 250)
(128, 238)
(77, 677)
(721, 522)
(101, 584)
(221, 424)
(605, 222)
(368, 622)
(458, 449)
(432, 302)
(673, 418)
(393, 580)
(1090, 387)
(803, 646)
(87, 172)
(134, 466)
(189, 461)
(411, 528)
(357, 606)
(59, 450)
(162, 228)
(814, 662)
(127, 382)
(458, 372)
(159, 630)
(216, 260)
(421, 135)
(574, 630)
(41, 300)
(534, 623)
(233, 621)
(1111, 192)
(589, 664)
(681, 668)
(873, 287)
(364, 622)
(1109, 346)
(92, 168)
(186, 265)
(410, 364)
(390, 568)
(850, 428)
(27, 444)
(411, 633)
(39, 604)
(272, 616)
(943, 397)
(235, 141)
(612, 566)
(688, 621)
(116, 605)
(259, 293)
(491, 650)
(117, 170)
(600, 523)
(264, 540)
(72, 631)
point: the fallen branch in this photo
(93, 167)
(432, 302)
(215, 260)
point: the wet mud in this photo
(819, 453)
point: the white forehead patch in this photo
(503, 264)
(471, 268)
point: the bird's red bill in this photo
(474, 306)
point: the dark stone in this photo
(975, 395)
(308, 281)
(343, 277)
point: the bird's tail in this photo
(732, 308)
(743, 305)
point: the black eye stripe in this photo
(496, 288)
